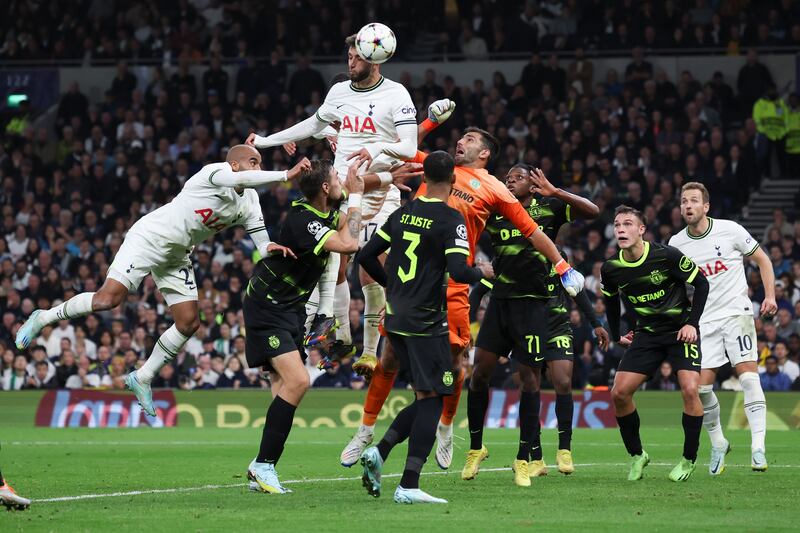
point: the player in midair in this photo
(476, 194)
(651, 279)
(727, 327)
(218, 196)
(426, 237)
(377, 125)
(274, 303)
(528, 313)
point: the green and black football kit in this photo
(275, 298)
(426, 239)
(653, 288)
(527, 315)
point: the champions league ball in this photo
(376, 43)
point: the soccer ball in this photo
(376, 43)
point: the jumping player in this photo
(476, 194)
(219, 196)
(426, 238)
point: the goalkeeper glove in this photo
(571, 279)
(440, 110)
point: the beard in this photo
(359, 76)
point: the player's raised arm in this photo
(245, 170)
(346, 239)
(299, 132)
(578, 207)
(438, 112)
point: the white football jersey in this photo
(199, 211)
(367, 116)
(719, 253)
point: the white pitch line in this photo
(313, 443)
(311, 480)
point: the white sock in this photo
(341, 310)
(167, 347)
(711, 415)
(77, 306)
(755, 407)
(327, 285)
(374, 300)
(311, 307)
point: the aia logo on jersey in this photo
(709, 270)
(209, 220)
(358, 125)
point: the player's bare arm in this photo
(580, 206)
(768, 307)
(346, 239)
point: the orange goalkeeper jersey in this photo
(476, 194)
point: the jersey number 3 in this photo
(413, 242)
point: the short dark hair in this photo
(524, 166)
(438, 167)
(311, 180)
(490, 142)
(41, 364)
(350, 40)
(628, 210)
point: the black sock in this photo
(477, 403)
(276, 430)
(692, 427)
(421, 439)
(564, 408)
(536, 439)
(2, 482)
(527, 424)
(399, 430)
(629, 429)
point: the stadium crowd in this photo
(89, 31)
(634, 137)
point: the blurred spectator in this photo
(772, 379)
(665, 380)
(40, 378)
(14, 378)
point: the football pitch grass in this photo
(194, 479)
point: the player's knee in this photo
(620, 396)
(297, 386)
(188, 326)
(690, 392)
